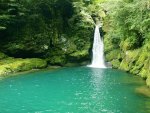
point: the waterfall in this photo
(98, 50)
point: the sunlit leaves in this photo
(128, 18)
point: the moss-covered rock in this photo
(130, 43)
(124, 65)
(11, 65)
(74, 58)
(79, 55)
(2, 56)
(57, 60)
(143, 73)
(135, 61)
(148, 81)
(115, 63)
(135, 69)
(114, 54)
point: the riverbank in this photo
(17, 66)
(10, 65)
(136, 62)
(127, 38)
(21, 73)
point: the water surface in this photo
(73, 90)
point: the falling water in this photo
(98, 51)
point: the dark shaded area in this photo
(41, 22)
(49, 29)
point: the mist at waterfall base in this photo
(98, 60)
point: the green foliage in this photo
(124, 65)
(79, 56)
(11, 65)
(115, 63)
(115, 54)
(130, 21)
(148, 81)
(2, 56)
(57, 60)
(127, 28)
(10, 12)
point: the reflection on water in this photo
(96, 79)
(96, 89)
(147, 105)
